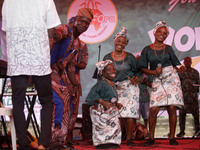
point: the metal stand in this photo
(2, 119)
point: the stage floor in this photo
(160, 144)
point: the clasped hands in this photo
(134, 80)
(108, 104)
(158, 70)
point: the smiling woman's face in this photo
(120, 43)
(161, 34)
(109, 72)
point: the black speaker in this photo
(86, 122)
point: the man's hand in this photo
(75, 94)
(182, 69)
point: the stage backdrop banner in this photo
(139, 17)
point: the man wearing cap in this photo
(68, 56)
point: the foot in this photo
(181, 134)
(130, 143)
(107, 146)
(173, 142)
(149, 142)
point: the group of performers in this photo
(157, 60)
(112, 100)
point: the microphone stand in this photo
(99, 59)
(99, 52)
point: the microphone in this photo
(159, 65)
(75, 51)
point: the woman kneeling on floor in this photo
(104, 110)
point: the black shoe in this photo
(130, 143)
(173, 142)
(108, 146)
(181, 134)
(149, 142)
(62, 147)
(117, 146)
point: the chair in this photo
(9, 112)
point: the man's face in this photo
(187, 62)
(81, 24)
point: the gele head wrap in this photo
(102, 64)
(122, 33)
(86, 12)
(159, 24)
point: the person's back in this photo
(26, 24)
(2, 42)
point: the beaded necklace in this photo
(112, 84)
(156, 53)
(115, 62)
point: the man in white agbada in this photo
(27, 24)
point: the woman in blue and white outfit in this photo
(166, 87)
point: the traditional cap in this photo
(159, 24)
(86, 12)
(102, 64)
(122, 33)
